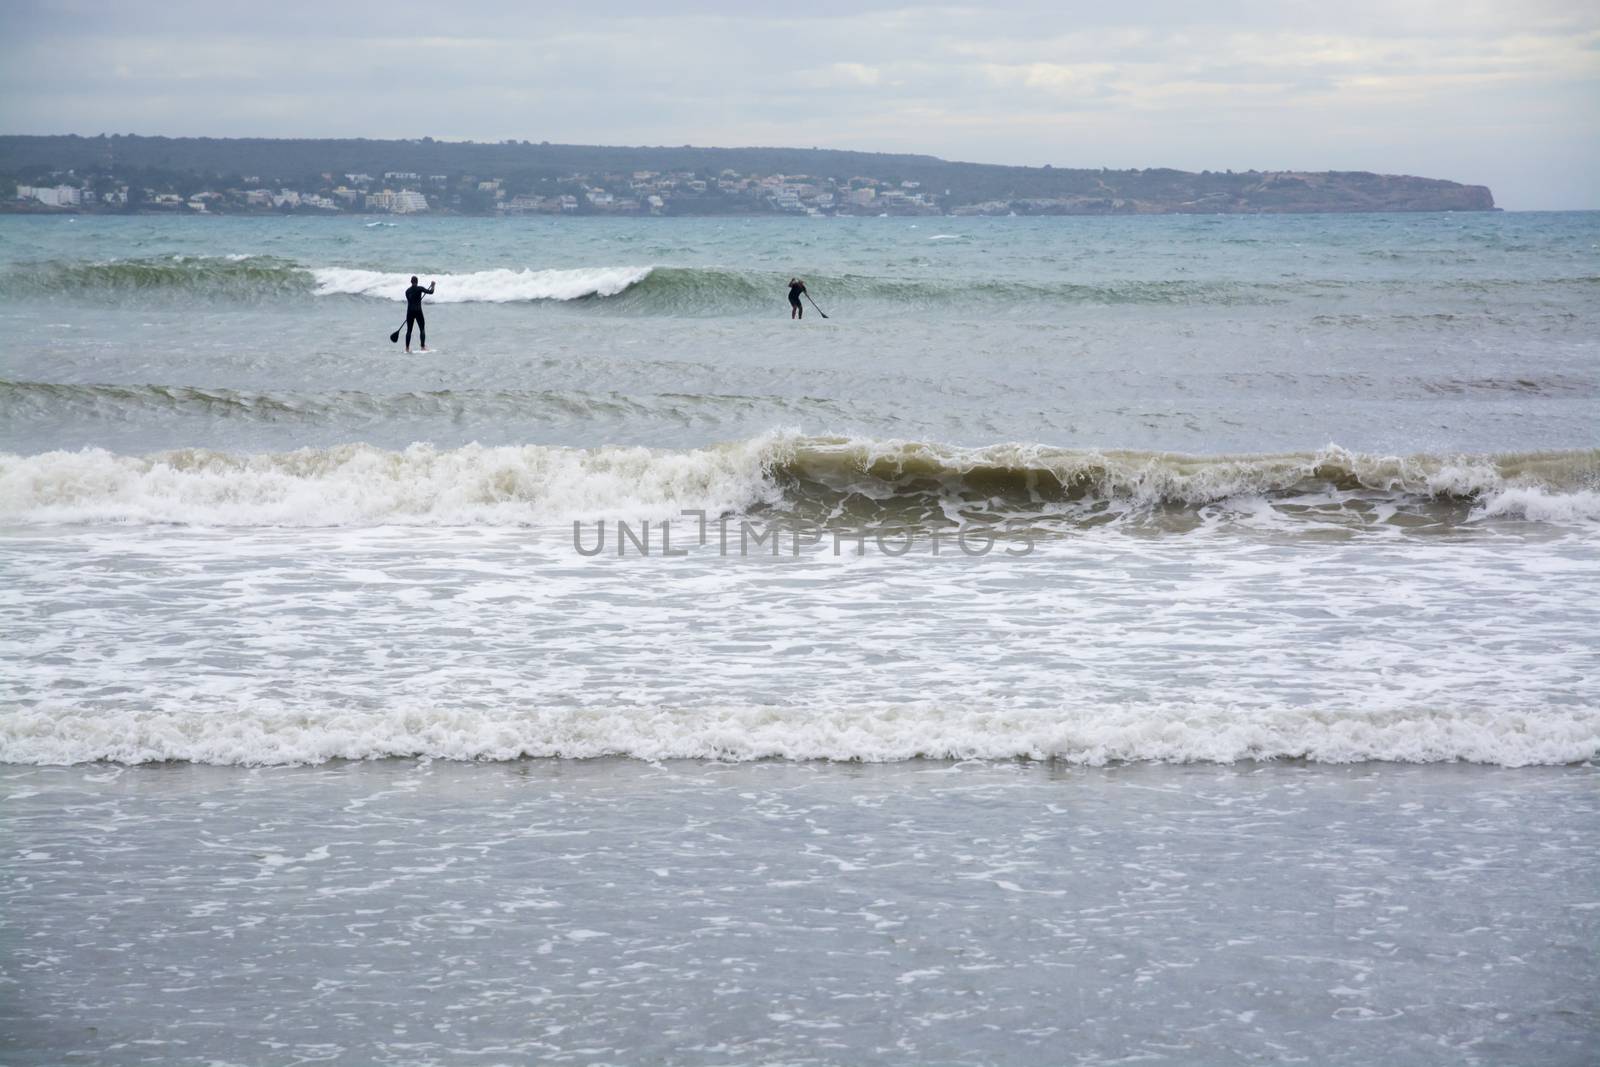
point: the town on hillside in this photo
(640, 192)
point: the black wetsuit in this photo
(414, 297)
(795, 289)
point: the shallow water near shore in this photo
(622, 912)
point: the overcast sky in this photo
(1502, 94)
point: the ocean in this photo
(1167, 638)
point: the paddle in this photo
(394, 338)
(824, 314)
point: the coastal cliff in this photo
(1164, 192)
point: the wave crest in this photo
(234, 277)
(833, 480)
(486, 286)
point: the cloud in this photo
(840, 76)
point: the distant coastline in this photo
(128, 174)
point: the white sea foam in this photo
(270, 645)
(1539, 505)
(484, 286)
(361, 485)
(260, 735)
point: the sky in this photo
(1504, 94)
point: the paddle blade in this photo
(394, 338)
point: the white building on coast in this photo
(404, 202)
(51, 195)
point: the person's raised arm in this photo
(430, 287)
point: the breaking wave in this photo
(243, 277)
(821, 479)
(486, 286)
(1097, 735)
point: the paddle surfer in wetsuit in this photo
(414, 297)
(796, 287)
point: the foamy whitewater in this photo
(1167, 639)
(492, 286)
